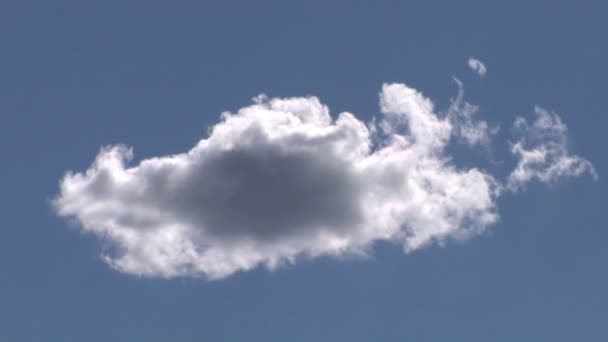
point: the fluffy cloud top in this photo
(282, 179)
(477, 66)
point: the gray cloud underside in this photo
(282, 179)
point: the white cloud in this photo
(460, 113)
(281, 179)
(477, 66)
(543, 152)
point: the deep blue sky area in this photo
(75, 76)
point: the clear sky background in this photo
(75, 76)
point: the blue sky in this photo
(75, 77)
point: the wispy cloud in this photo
(477, 66)
(543, 152)
(461, 114)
